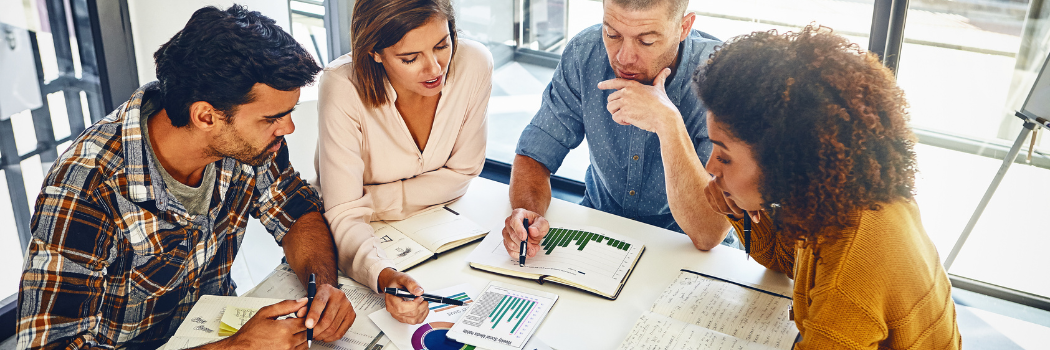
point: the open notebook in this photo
(204, 323)
(587, 258)
(698, 311)
(205, 320)
(417, 238)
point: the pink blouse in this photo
(369, 167)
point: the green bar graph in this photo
(509, 309)
(583, 242)
(522, 317)
(560, 237)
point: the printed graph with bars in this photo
(504, 316)
(439, 307)
(560, 237)
(590, 257)
(510, 311)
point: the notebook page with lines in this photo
(588, 258)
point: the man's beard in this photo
(645, 76)
(242, 151)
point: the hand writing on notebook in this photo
(330, 314)
(405, 311)
(514, 232)
(265, 331)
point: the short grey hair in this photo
(676, 7)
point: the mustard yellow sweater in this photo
(880, 287)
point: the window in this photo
(966, 67)
(62, 40)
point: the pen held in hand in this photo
(523, 248)
(311, 292)
(428, 297)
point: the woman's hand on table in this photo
(405, 311)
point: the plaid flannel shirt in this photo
(116, 260)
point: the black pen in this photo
(431, 298)
(311, 291)
(747, 235)
(522, 250)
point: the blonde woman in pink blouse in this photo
(402, 127)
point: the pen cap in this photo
(311, 288)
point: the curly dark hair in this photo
(221, 54)
(825, 121)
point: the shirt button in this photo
(635, 157)
(631, 192)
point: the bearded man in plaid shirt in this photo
(145, 212)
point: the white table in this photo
(581, 320)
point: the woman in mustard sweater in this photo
(812, 150)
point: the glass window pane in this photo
(726, 19)
(959, 67)
(518, 83)
(10, 247)
(966, 67)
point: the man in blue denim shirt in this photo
(625, 86)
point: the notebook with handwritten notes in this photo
(699, 311)
(204, 323)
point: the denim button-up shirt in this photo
(626, 174)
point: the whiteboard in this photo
(1038, 103)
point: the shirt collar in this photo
(136, 158)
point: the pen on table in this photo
(311, 291)
(428, 297)
(521, 250)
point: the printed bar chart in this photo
(509, 309)
(560, 237)
(438, 307)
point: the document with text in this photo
(703, 312)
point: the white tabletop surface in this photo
(581, 320)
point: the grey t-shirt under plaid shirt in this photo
(116, 261)
(195, 200)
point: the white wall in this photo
(13, 12)
(153, 23)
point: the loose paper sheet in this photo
(440, 317)
(504, 317)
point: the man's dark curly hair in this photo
(825, 121)
(221, 54)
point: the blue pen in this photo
(311, 291)
(522, 250)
